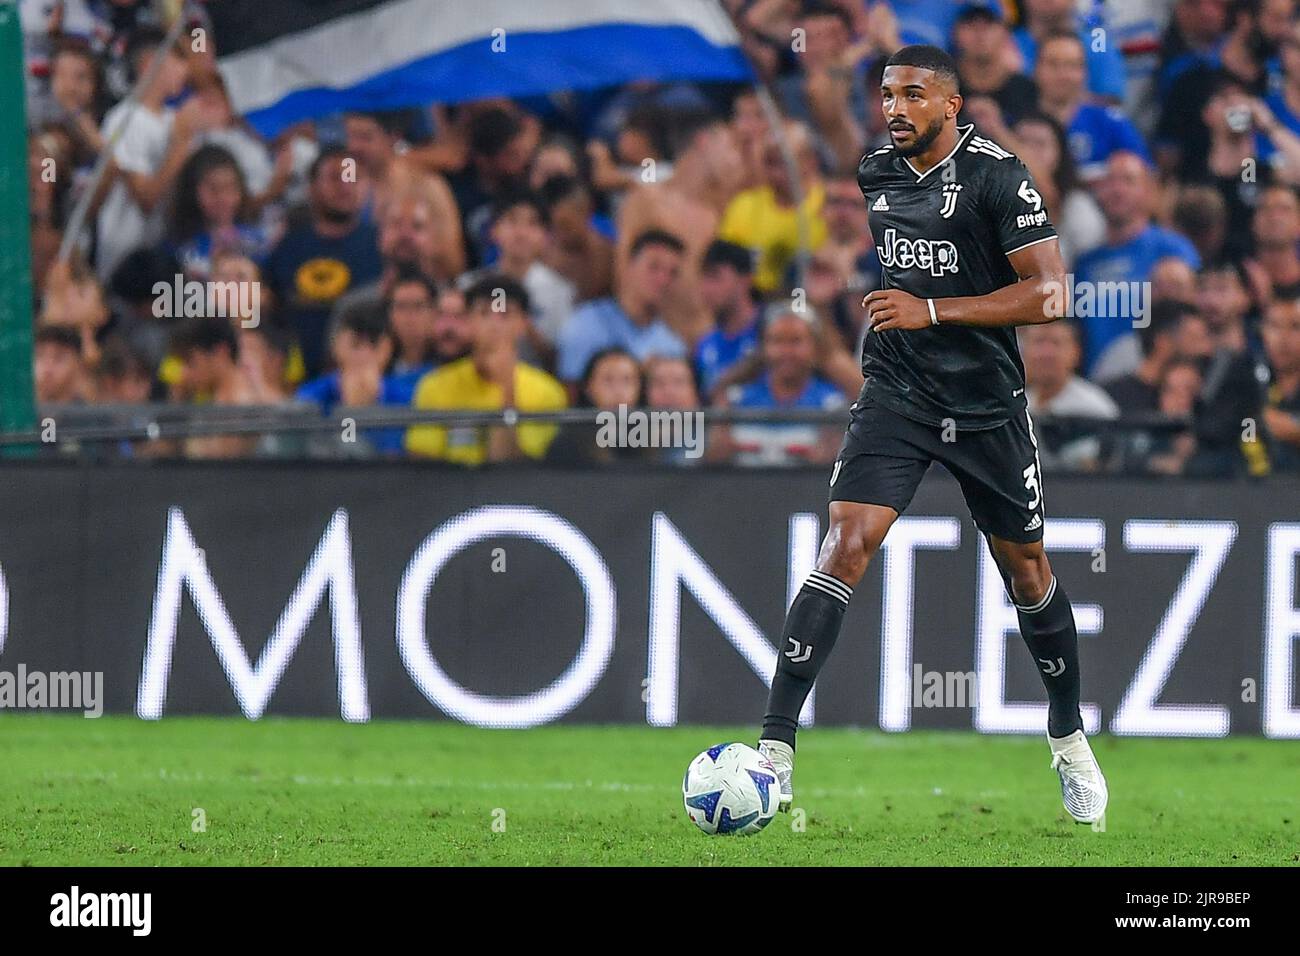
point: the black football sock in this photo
(809, 634)
(1048, 630)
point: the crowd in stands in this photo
(641, 245)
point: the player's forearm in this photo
(1027, 302)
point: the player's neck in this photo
(938, 151)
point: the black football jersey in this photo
(947, 232)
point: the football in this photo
(730, 789)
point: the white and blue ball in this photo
(730, 789)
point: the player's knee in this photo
(1031, 576)
(849, 547)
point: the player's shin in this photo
(811, 628)
(1048, 629)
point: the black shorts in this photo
(885, 455)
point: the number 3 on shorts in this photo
(1031, 485)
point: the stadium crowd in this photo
(640, 245)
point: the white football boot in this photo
(1083, 788)
(782, 756)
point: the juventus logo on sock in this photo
(798, 652)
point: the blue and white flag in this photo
(287, 60)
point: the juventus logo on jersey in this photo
(950, 192)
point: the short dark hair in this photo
(560, 187)
(143, 39)
(1166, 315)
(63, 335)
(492, 130)
(588, 370)
(520, 197)
(324, 156)
(369, 324)
(409, 276)
(656, 237)
(1061, 35)
(926, 57)
(392, 122)
(487, 286)
(724, 253)
(204, 335)
(119, 360)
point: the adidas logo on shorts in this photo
(1034, 523)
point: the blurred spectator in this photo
(76, 98)
(414, 237)
(212, 210)
(1281, 413)
(1094, 132)
(1180, 383)
(1274, 269)
(490, 378)
(671, 383)
(316, 263)
(1225, 302)
(1242, 133)
(74, 299)
(829, 93)
(59, 372)
(1201, 214)
(580, 252)
(1047, 18)
(1172, 279)
(980, 40)
(361, 347)
(501, 145)
(452, 329)
(123, 376)
(1133, 247)
(520, 232)
(765, 217)
(725, 289)
(209, 355)
(788, 381)
(611, 379)
(412, 310)
(848, 235)
(1053, 388)
(1139, 391)
(632, 319)
(150, 151)
(1079, 222)
(706, 174)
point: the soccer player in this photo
(968, 253)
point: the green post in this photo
(17, 409)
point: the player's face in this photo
(916, 105)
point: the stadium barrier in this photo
(518, 596)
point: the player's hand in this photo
(895, 309)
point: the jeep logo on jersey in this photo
(937, 256)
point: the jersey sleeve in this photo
(1015, 207)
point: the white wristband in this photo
(934, 318)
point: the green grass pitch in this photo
(119, 791)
